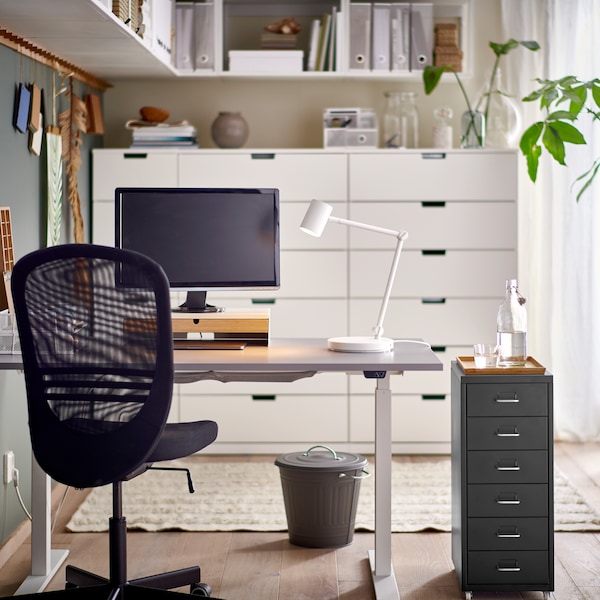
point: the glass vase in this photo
(400, 120)
(472, 129)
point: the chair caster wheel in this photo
(468, 595)
(201, 589)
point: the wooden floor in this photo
(265, 566)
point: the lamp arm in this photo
(378, 329)
(397, 234)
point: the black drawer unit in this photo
(502, 482)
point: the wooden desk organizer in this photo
(249, 327)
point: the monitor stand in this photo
(195, 302)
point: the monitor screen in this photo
(204, 238)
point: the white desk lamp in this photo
(315, 219)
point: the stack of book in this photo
(162, 134)
(279, 41)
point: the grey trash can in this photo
(320, 492)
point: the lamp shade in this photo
(316, 218)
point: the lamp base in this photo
(360, 344)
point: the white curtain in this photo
(559, 238)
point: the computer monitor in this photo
(206, 239)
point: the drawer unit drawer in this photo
(313, 274)
(455, 322)
(474, 225)
(508, 534)
(436, 273)
(311, 419)
(411, 175)
(509, 568)
(300, 176)
(519, 466)
(131, 168)
(507, 399)
(507, 433)
(292, 238)
(507, 500)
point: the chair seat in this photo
(183, 439)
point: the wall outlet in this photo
(9, 466)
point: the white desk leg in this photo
(382, 571)
(44, 561)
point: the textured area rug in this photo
(247, 496)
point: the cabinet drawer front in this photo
(113, 169)
(313, 274)
(507, 433)
(519, 466)
(452, 322)
(449, 225)
(413, 176)
(432, 274)
(103, 222)
(509, 568)
(414, 419)
(508, 534)
(508, 500)
(297, 176)
(506, 399)
(310, 419)
(419, 382)
(292, 238)
(321, 384)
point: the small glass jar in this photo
(472, 129)
(442, 130)
(400, 120)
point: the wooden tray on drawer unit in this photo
(531, 367)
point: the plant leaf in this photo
(568, 133)
(553, 143)
(530, 45)
(432, 76)
(592, 172)
(530, 137)
(533, 159)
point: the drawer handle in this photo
(508, 532)
(433, 300)
(135, 155)
(263, 300)
(263, 397)
(504, 433)
(262, 155)
(433, 252)
(507, 465)
(508, 566)
(433, 155)
(504, 397)
(433, 204)
(433, 396)
(438, 348)
(508, 498)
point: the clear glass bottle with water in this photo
(400, 120)
(512, 327)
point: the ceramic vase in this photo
(229, 130)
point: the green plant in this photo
(564, 101)
(433, 74)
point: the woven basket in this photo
(448, 56)
(446, 34)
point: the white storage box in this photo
(350, 127)
(266, 61)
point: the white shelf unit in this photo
(87, 34)
(459, 208)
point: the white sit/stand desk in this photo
(283, 358)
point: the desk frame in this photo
(296, 358)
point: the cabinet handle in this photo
(263, 397)
(262, 155)
(508, 498)
(433, 204)
(433, 300)
(507, 566)
(503, 397)
(433, 252)
(433, 396)
(438, 348)
(135, 155)
(513, 433)
(508, 532)
(503, 466)
(433, 155)
(263, 300)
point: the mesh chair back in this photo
(95, 330)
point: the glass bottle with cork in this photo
(512, 328)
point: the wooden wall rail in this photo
(26, 48)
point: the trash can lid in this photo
(325, 459)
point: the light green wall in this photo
(22, 188)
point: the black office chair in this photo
(95, 330)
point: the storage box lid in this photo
(325, 459)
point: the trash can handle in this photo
(335, 456)
(366, 474)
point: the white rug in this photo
(247, 496)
